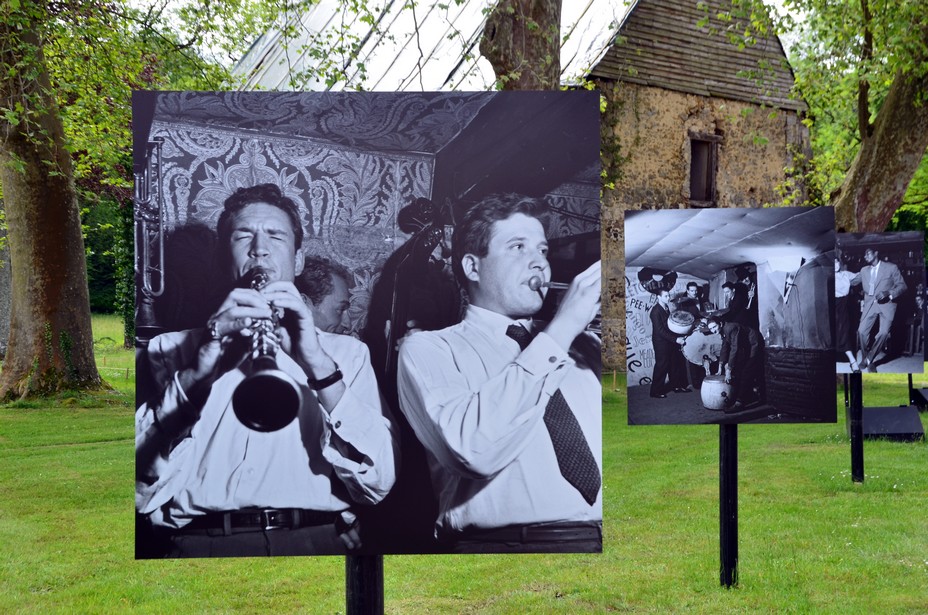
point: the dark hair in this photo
(315, 281)
(261, 193)
(730, 285)
(713, 319)
(693, 284)
(472, 235)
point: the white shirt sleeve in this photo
(476, 428)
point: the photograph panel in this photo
(316, 358)
(729, 314)
(880, 302)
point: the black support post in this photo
(856, 427)
(728, 503)
(364, 584)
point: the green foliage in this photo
(124, 256)
(101, 229)
(912, 218)
(96, 52)
(831, 62)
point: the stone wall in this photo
(646, 149)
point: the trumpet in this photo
(535, 283)
(594, 326)
(267, 399)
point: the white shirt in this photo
(321, 461)
(477, 404)
(843, 283)
(874, 272)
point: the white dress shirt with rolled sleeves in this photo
(211, 462)
(477, 403)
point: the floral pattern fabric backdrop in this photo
(349, 162)
(348, 199)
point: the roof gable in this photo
(661, 44)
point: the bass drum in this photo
(699, 345)
(716, 393)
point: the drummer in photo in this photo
(669, 363)
(690, 300)
(741, 360)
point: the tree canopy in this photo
(862, 67)
(66, 72)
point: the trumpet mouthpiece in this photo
(535, 283)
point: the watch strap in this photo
(318, 385)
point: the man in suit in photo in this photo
(882, 285)
(668, 359)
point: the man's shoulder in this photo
(338, 343)
(425, 341)
(439, 335)
(173, 349)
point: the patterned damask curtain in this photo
(348, 199)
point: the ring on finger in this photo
(214, 332)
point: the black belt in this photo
(256, 520)
(560, 531)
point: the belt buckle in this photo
(275, 519)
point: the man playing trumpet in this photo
(510, 418)
(216, 487)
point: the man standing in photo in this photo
(669, 361)
(741, 360)
(882, 285)
(508, 409)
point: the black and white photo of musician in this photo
(221, 473)
(750, 334)
(508, 408)
(377, 205)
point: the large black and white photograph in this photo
(367, 323)
(880, 302)
(729, 315)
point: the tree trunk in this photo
(522, 40)
(887, 160)
(51, 344)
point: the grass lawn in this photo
(810, 540)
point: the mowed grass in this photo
(810, 540)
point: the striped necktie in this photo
(574, 458)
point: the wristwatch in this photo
(318, 385)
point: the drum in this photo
(716, 394)
(699, 345)
(681, 322)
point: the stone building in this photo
(693, 118)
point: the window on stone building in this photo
(703, 166)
